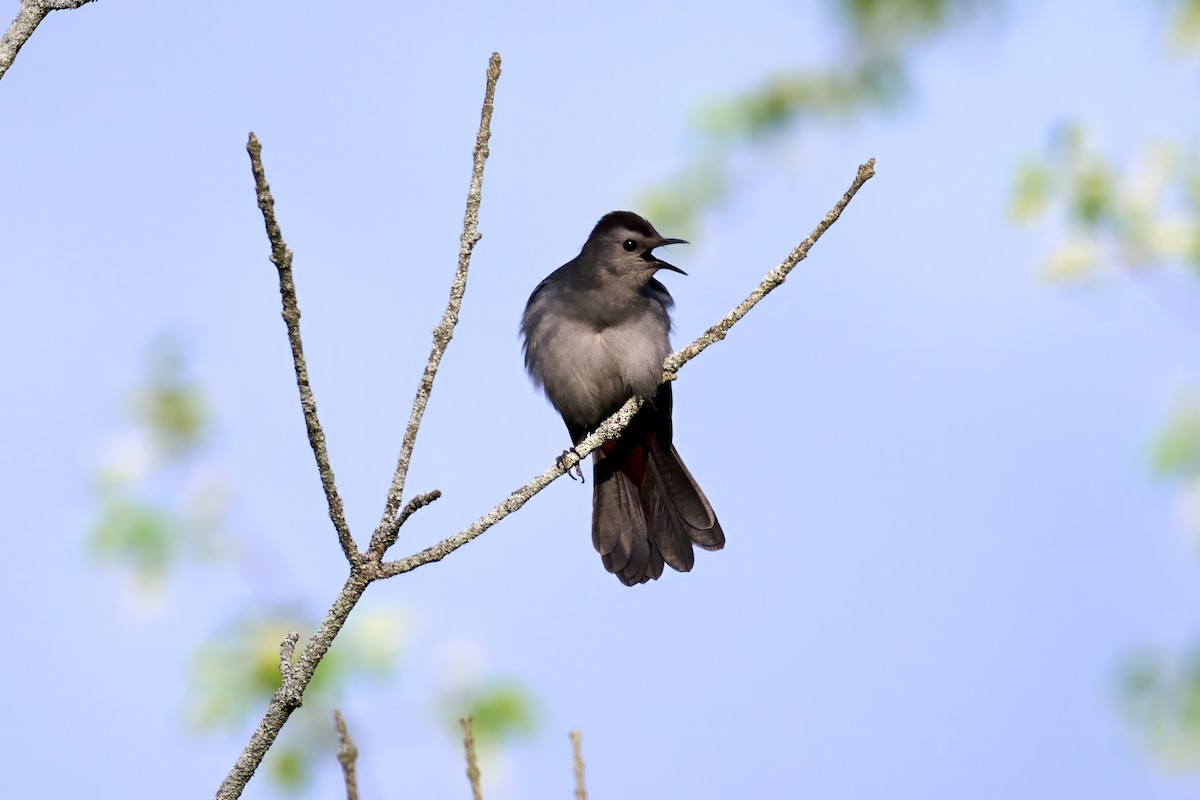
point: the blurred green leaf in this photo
(1031, 191)
(171, 405)
(1143, 214)
(675, 204)
(868, 74)
(1093, 194)
(137, 535)
(1160, 697)
(1072, 262)
(1176, 450)
(501, 710)
(290, 767)
(783, 100)
(892, 20)
(1184, 25)
(158, 503)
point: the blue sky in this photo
(931, 467)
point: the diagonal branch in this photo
(613, 426)
(281, 257)
(287, 698)
(29, 16)
(773, 279)
(442, 334)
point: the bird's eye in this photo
(630, 245)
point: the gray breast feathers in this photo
(587, 369)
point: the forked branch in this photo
(364, 568)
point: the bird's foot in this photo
(571, 471)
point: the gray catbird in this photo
(596, 333)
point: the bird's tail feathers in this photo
(637, 529)
(619, 529)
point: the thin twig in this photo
(613, 426)
(281, 257)
(472, 764)
(577, 760)
(347, 756)
(417, 503)
(445, 329)
(29, 16)
(411, 507)
(286, 649)
(773, 279)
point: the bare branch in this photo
(29, 16)
(281, 257)
(283, 703)
(613, 426)
(472, 764)
(347, 756)
(445, 329)
(773, 279)
(577, 759)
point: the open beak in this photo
(662, 264)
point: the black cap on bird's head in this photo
(624, 232)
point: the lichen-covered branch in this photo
(281, 257)
(29, 16)
(773, 279)
(613, 426)
(287, 698)
(445, 329)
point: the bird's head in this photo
(623, 243)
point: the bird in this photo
(595, 333)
